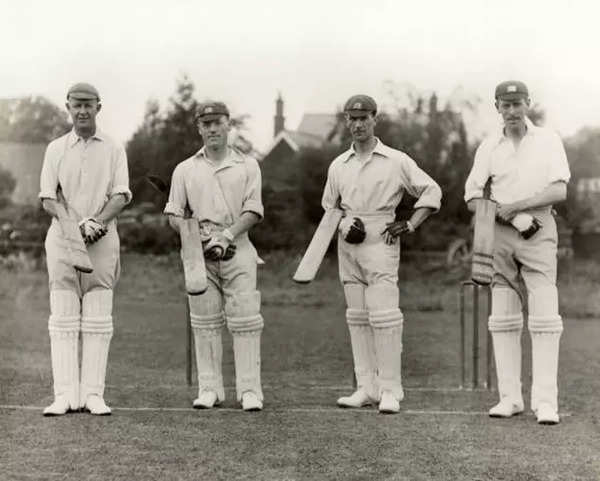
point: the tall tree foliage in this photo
(583, 153)
(7, 186)
(163, 140)
(32, 120)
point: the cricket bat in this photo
(482, 264)
(76, 250)
(311, 261)
(192, 254)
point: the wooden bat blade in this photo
(76, 250)
(311, 261)
(482, 266)
(192, 256)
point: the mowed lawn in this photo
(442, 433)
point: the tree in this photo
(31, 119)
(7, 186)
(583, 153)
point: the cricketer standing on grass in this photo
(529, 172)
(368, 182)
(89, 171)
(222, 189)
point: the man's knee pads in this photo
(506, 310)
(242, 311)
(355, 296)
(357, 317)
(543, 310)
(206, 310)
(383, 296)
(65, 311)
(96, 316)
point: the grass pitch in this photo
(442, 432)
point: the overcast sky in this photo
(317, 53)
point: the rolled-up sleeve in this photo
(479, 175)
(177, 197)
(121, 176)
(49, 175)
(253, 193)
(558, 170)
(331, 193)
(420, 185)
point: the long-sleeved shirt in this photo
(216, 192)
(89, 172)
(520, 172)
(377, 185)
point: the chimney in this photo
(279, 118)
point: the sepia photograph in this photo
(289, 241)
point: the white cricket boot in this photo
(250, 402)
(389, 403)
(95, 405)
(546, 414)
(206, 400)
(357, 399)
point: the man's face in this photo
(214, 132)
(362, 127)
(83, 112)
(513, 111)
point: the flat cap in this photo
(212, 110)
(83, 91)
(360, 105)
(511, 89)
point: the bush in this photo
(148, 238)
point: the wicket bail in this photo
(475, 289)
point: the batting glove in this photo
(395, 229)
(92, 230)
(352, 230)
(219, 247)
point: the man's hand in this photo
(394, 229)
(506, 212)
(92, 230)
(218, 247)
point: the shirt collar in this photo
(233, 157)
(74, 138)
(380, 148)
(531, 130)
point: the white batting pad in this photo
(97, 331)
(63, 326)
(245, 322)
(246, 352)
(544, 368)
(507, 355)
(363, 351)
(387, 330)
(209, 355)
